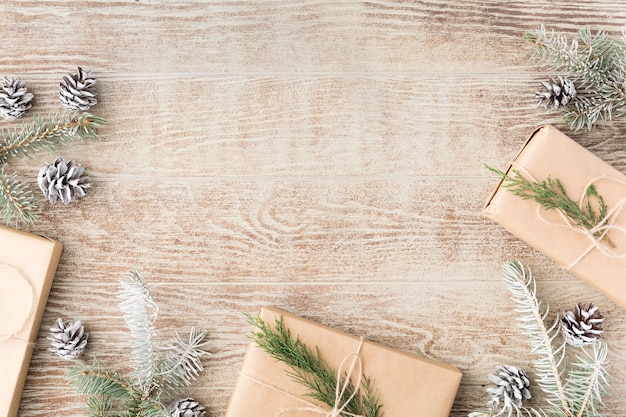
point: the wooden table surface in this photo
(325, 157)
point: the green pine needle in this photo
(595, 63)
(17, 201)
(551, 195)
(309, 369)
(47, 133)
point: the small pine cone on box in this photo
(187, 407)
(77, 92)
(63, 181)
(582, 326)
(511, 388)
(68, 339)
(557, 93)
(14, 99)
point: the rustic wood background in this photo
(325, 157)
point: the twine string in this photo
(596, 234)
(340, 389)
(22, 325)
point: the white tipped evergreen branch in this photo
(586, 380)
(595, 63)
(17, 203)
(159, 372)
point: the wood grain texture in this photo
(322, 156)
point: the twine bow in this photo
(597, 234)
(340, 389)
(20, 326)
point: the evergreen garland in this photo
(17, 202)
(595, 63)
(586, 380)
(311, 370)
(159, 371)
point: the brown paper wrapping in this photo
(27, 267)
(548, 152)
(409, 386)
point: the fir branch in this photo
(549, 359)
(180, 363)
(588, 381)
(309, 369)
(17, 202)
(551, 195)
(93, 380)
(596, 63)
(140, 312)
(46, 133)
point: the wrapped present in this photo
(27, 267)
(596, 255)
(408, 385)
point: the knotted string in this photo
(340, 389)
(596, 234)
(22, 325)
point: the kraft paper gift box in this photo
(409, 386)
(549, 152)
(27, 267)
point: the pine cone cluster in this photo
(511, 388)
(582, 326)
(68, 339)
(187, 407)
(14, 99)
(557, 93)
(77, 92)
(63, 181)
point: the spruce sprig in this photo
(580, 393)
(16, 200)
(311, 370)
(159, 371)
(596, 63)
(551, 195)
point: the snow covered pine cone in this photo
(582, 326)
(63, 181)
(14, 99)
(77, 92)
(511, 388)
(187, 407)
(68, 339)
(557, 93)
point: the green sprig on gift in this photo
(576, 390)
(311, 370)
(592, 70)
(17, 202)
(160, 372)
(551, 195)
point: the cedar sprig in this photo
(311, 370)
(159, 371)
(595, 63)
(574, 391)
(551, 195)
(16, 200)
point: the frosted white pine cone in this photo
(68, 339)
(63, 181)
(187, 407)
(77, 92)
(582, 326)
(511, 388)
(14, 99)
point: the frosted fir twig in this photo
(17, 201)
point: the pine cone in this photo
(68, 339)
(187, 407)
(512, 387)
(77, 92)
(582, 326)
(557, 93)
(63, 181)
(14, 100)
